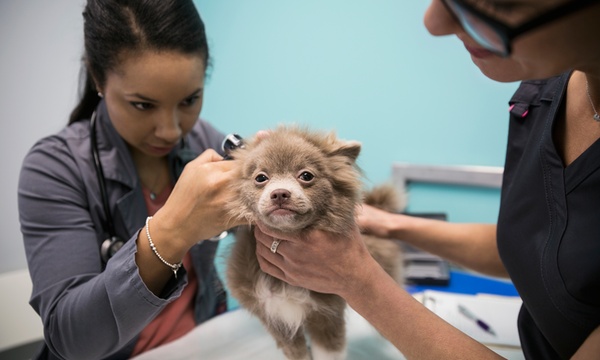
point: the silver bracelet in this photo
(174, 267)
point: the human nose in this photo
(439, 21)
(168, 127)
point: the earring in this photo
(100, 95)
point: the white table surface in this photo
(238, 335)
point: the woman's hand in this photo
(319, 261)
(374, 221)
(196, 208)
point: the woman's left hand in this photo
(319, 261)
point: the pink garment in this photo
(177, 318)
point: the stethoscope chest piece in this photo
(110, 247)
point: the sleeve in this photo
(87, 311)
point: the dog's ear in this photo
(261, 135)
(349, 149)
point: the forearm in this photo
(93, 317)
(411, 327)
(154, 273)
(470, 245)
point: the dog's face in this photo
(294, 179)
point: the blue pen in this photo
(464, 311)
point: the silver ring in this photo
(274, 245)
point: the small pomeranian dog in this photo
(295, 180)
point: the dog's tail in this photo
(385, 197)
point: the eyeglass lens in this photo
(478, 29)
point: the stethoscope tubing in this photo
(101, 179)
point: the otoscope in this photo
(231, 142)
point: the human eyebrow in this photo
(142, 97)
(195, 93)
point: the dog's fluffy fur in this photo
(294, 180)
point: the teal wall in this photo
(369, 70)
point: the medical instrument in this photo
(113, 243)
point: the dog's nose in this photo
(280, 196)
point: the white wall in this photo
(41, 43)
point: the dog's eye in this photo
(306, 176)
(261, 178)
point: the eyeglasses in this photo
(496, 36)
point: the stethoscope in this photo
(113, 243)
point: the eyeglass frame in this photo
(507, 33)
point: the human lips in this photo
(160, 150)
(478, 52)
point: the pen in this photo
(469, 315)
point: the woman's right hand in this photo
(196, 207)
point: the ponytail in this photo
(88, 95)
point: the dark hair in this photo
(113, 27)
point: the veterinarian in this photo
(109, 281)
(548, 236)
